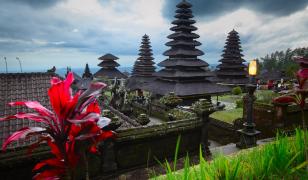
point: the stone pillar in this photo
(281, 112)
(203, 108)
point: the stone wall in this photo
(139, 146)
(269, 118)
(132, 148)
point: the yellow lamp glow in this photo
(252, 68)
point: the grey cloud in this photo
(216, 8)
(35, 3)
(25, 29)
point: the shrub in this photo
(237, 90)
(171, 100)
(239, 103)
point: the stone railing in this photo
(123, 116)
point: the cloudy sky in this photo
(43, 33)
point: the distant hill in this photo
(79, 71)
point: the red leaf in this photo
(93, 108)
(55, 149)
(74, 131)
(30, 116)
(60, 96)
(72, 157)
(93, 149)
(21, 134)
(303, 73)
(54, 162)
(34, 105)
(90, 117)
(285, 99)
(105, 135)
(93, 91)
(55, 80)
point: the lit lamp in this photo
(248, 135)
(252, 68)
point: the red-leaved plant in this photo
(298, 96)
(74, 128)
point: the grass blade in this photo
(177, 147)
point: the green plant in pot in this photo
(170, 100)
(202, 106)
(115, 123)
(143, 119)
(177, 114)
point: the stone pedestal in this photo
(281, 111)
(203, 108)
(248, 135)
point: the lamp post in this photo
(248, 134)
(5, 65)
(17, 58)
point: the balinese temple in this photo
(144, 68)
(232, 69)
(183, 72)
(109, 69)
(87, 73)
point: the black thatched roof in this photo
(143, 68)
(108, 69)
(188, 88)
(232, 64)
(21, 87)
(139, 82)
(108, 64)
(110, 73)
(183, 72)
(108, 56)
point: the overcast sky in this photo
(43, 33)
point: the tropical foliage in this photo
(282, 60)
(73, 128)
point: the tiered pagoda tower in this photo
(232, 69)
(109, 69)
(183, 73)
(143, 68)
(87, 73)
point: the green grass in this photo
(228, 115)
(229, 98)
(265, 96)
(282, 159)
